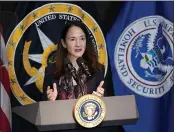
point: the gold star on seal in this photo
(70, 9)
(94, 29)
(101, 46)
(51, 8)
(34, 15)
(83, 16)
(12, 43)
(9, 63)
(22, 97)
(13, 81)
(22, 27)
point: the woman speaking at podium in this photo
(76, 71)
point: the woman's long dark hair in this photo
(90, 55)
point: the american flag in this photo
(5, 91)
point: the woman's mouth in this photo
(78, 50)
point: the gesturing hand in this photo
(100, 91)
(52, 93)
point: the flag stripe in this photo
(3, 51)
(5, 102)
(3, 57)
(4, 125)
(4, 79)
(5, 105)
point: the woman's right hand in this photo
(52, 93)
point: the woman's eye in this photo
(83, 38)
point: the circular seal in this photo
(144, 56)
(89, 111)
(32, 45)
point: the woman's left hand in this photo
(100, 91)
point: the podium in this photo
(58, 115)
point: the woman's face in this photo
(75, 42)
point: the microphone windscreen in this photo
(80, 60)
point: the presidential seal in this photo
(89, 111)
(144, 56)
(32, 46)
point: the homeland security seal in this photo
(32, 46)
(144, 56)
(89, 111)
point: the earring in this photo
(64, 46)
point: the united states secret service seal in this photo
(89, 111)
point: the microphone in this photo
(80, 61)
(69, 67)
